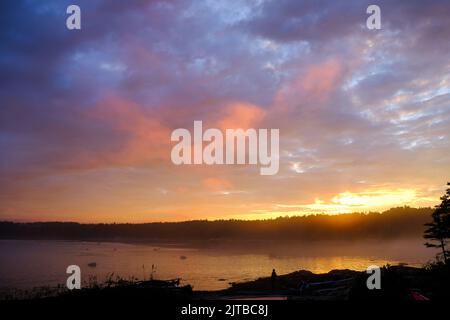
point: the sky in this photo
(86, 115)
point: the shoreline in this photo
(401, 281)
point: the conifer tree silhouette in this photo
(438, 231)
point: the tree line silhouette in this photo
(390, 224)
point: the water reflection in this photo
(25, 264)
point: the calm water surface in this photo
(25, 264)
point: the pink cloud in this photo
(314, 85)
(148, 139)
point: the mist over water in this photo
(29, 263)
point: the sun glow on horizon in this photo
(348, 202)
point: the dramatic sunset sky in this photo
(86, 115)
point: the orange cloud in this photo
(241, 116)
(217, 184)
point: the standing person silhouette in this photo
(273, 278)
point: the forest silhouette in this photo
(400, 222)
